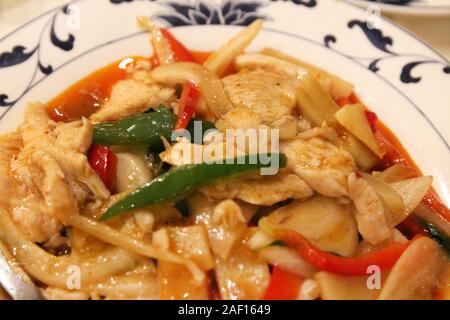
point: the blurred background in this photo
(435, 30)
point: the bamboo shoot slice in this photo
(353, 118)
(220, 60)
(336, 287)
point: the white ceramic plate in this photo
(414, 7)
(405, 81)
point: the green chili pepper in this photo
(438, 236)
(179, 183)
(144, 129)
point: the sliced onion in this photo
(324, 222)
(287, 259)
(412, 192)
(396, 173)
(390, 198)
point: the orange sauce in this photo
(85, 96)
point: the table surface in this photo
(434, 30)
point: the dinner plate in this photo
(413, 7)
(401, 78)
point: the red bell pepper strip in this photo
(180, 53)
(104, 163)
(372, 119)
(432, 201)
(351, 99)
(186, 109)
(283, 285)
(411, 227)
(342, 102)
(357, 266)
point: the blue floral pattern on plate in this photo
(19, 55)
(226, 12)
(382, 43)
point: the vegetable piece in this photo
(210, 85)
(180, 182)
(354, 119)
(340, 87)
(167, 48)
(412, 192)
(364, 157)
(226, 227)
(337, 287)
(220, 60)
(372, 118)
(392, 201)
(132, 172)
(283, 285)
(177, 283)
(287, 259)
(432, 209)
(415, 274)
(192, 243)
(144, 129)
(438, 236)
(395, 173)
(412, 226)
(104, 163)
(163, 51)
(180, 53)
(328, 225)
(186, 109)
(356, 266)
(243, 276)
(323, 106)
(317, 106)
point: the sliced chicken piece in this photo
(269, 94)
(239, 118)
(267, 191)
(372, 220)
(76, 135)
(185, 153)
(9, 147)
(10, 144)
(37, 128)
(27, 208)
(131, 97)
(323, 166)
(287, 127)
(243, 118)
(76, 167)
(32, 217)
(38, 132)
(50, 180)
